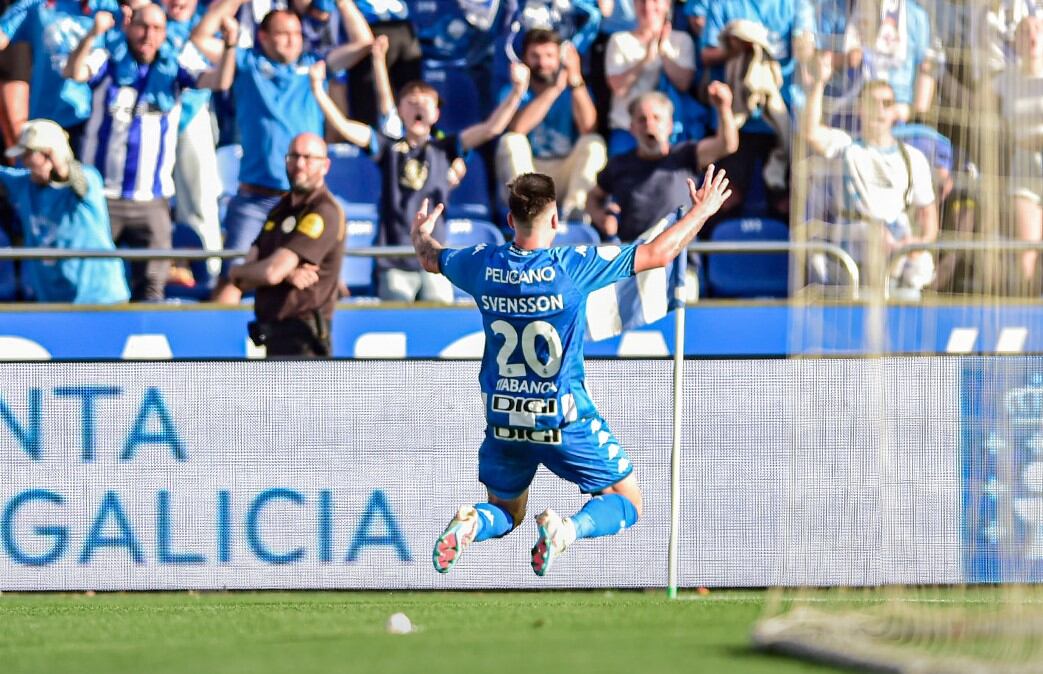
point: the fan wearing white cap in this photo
(61, 204)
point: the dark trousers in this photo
(306, 337)
(403, 66)
(143, 224)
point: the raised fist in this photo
(520, 76)
(720, 94)
(230, 30)
(317, 72)
(103, 23)
(380, 47)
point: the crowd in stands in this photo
(825, 113)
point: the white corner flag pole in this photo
(675, 452)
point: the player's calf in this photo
(604, 515)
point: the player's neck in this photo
(533, 240)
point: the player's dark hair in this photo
(530, 194)
(418, 86)
(538, 36)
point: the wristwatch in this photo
(575, 83)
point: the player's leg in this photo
(610, 511)
(506, 469)
(590, 456)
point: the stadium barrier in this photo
(340, 474)
(843, 258)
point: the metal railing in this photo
(951, 246)
(709, 247)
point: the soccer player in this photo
(533, 303)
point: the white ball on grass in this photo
(399, 623)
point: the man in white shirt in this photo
(635, 60)
(883, 198)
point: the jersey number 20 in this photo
(528, 346)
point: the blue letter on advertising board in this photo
(29, 436)
(110, 506)
(87, 394)
(59, 534)
(260, 549)
(152, 404)
(378, 505)
(163, 542)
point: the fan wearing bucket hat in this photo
(61, 204)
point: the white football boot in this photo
(457, 535)
(555, 536)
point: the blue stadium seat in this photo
(354, 180)
(185, 237)
(576, 233)
(462, 232)
(356, 273)
(470, 199)
(459, 94)
(748, 274)
(8, 278)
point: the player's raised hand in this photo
(714, 191)
(317, 73)
(424, 222)
(103, 22)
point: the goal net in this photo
(917, 565)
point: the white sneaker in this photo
(457, 535)
(555, 536)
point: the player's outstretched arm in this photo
(427, 248)
(672, 241)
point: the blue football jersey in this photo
(533, 306)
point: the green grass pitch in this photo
(498, 632)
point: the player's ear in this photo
(554, 219)
(510, 220)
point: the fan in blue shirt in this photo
(53, 29)
(61, 204)
(533, 302)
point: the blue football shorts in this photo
(584, 452)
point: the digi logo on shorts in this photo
(535, 406)
(549, 436)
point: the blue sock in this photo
(604, 515)
(493, 522)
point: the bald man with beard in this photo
(294, 264)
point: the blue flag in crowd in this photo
(641, 299)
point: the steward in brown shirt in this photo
(294, 264)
